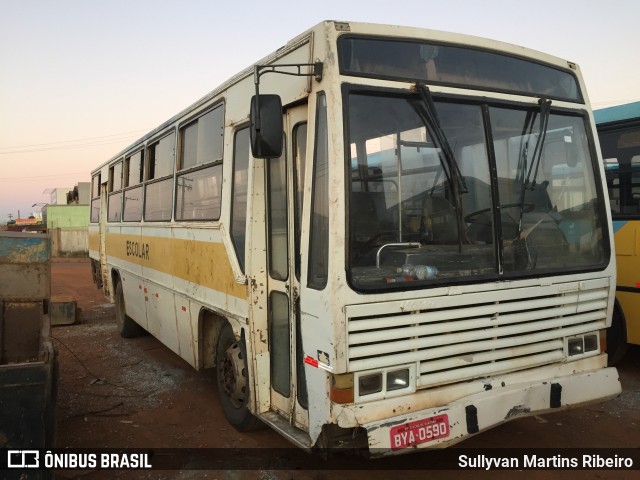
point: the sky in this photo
(80, 80)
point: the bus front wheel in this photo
(233, 381)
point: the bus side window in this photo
(114, 208)
(159, 194)
(132, 178)
(199, 182)
(95, 198)
(319, 239)
(239, 186)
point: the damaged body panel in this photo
(452, 423)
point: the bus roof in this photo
(354, 27)
(617, 113)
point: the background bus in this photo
(619, 132)
(404, 242)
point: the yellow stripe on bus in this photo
(94, 241)
(627, 238)
(202, 263)
(627, 241)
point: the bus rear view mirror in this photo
(266, 126)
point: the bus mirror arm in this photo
(266, 110)
(315, 70)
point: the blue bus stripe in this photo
(618, 224)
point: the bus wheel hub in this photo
(233, 375)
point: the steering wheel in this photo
(372, 242)
(527, 207)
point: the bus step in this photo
(288, 431)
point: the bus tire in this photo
(616, 337)
(233, 380)
(127, 327)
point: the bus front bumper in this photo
(458, 420)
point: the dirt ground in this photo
(135, 393)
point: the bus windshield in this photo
(454, 65)
(414, 220)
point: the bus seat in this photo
(370, 216)
(440, 224)
(539, 197)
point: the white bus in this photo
(404, 241)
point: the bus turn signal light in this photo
(342, 388)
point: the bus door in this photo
(102, 235)
(284, 187)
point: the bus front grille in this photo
(454, 338)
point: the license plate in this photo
(420, 431)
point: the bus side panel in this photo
(123, 247)
(133, 289)
(202, 270)
(187, 329)
(161, 317)
(627, 238)
(316, 343)
(171, 272)
(203, 278)
(94, 242)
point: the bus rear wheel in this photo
(127, 327)
(233, 381)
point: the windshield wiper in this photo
(545, 110)
(441, 139)
(524, 146)
(430, 117)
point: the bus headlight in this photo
(370, 384)
(583, 344)
(375, 385)
(398, 379)
(575, 346)
(590, 342)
